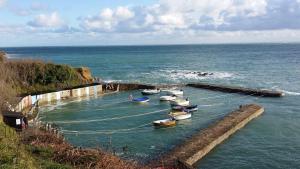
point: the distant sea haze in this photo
(271, 141)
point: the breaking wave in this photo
(285, 91)
(290, 93)
(192, 75)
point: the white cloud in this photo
(52, 20)
(108, 19)
(123, 13)
(180, 21)
(171, 15)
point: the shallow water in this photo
(270, 141)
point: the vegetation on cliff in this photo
(7, 92)
(29, 76)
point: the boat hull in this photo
(141, 100)
(164, 123)
(180, 103)
(183, 117)
(150, 92)
(177, 93)
(167, 98)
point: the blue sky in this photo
(131, 22)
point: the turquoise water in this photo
(271, 141)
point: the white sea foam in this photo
(192, 75)
(290, 93)
(11, 56)
(112, 81)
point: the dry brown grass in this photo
(7, 91)
(64, 153)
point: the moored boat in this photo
(182, 115)
(190, 108)
(165, 123)
(141, 100)
(174, 92)
(150, 91)
(167, 98)
(180, 102)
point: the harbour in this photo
(111, 121)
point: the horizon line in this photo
(134, 45)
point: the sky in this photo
(147, 22)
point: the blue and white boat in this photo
(141, 100)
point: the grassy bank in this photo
(16, 155)
(35, 76)
(38, 149)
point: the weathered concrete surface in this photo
(222, 88)
(235, 89)
(193, 149)
(136, 86)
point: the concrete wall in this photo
(55, 96)
(24, 102)
(65, 94)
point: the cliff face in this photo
(85, 74)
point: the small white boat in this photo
(165, 123)
(167, 98)
(174, 92)
(180, 102)
(150, 91)
(180, 115)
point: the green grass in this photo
(15, 155)
(34, 76)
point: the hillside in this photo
(35, 76)
(16, 155)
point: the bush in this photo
(34, 76)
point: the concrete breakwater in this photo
(236, 89)
(214, 87)
(187, 154)
(137, 86)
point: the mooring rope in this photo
(103, 131)
(210, 105)
(110, 104)
(107, 119)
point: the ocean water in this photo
(115, 124)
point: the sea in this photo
(115, 124)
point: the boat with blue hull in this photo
(141, 100)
